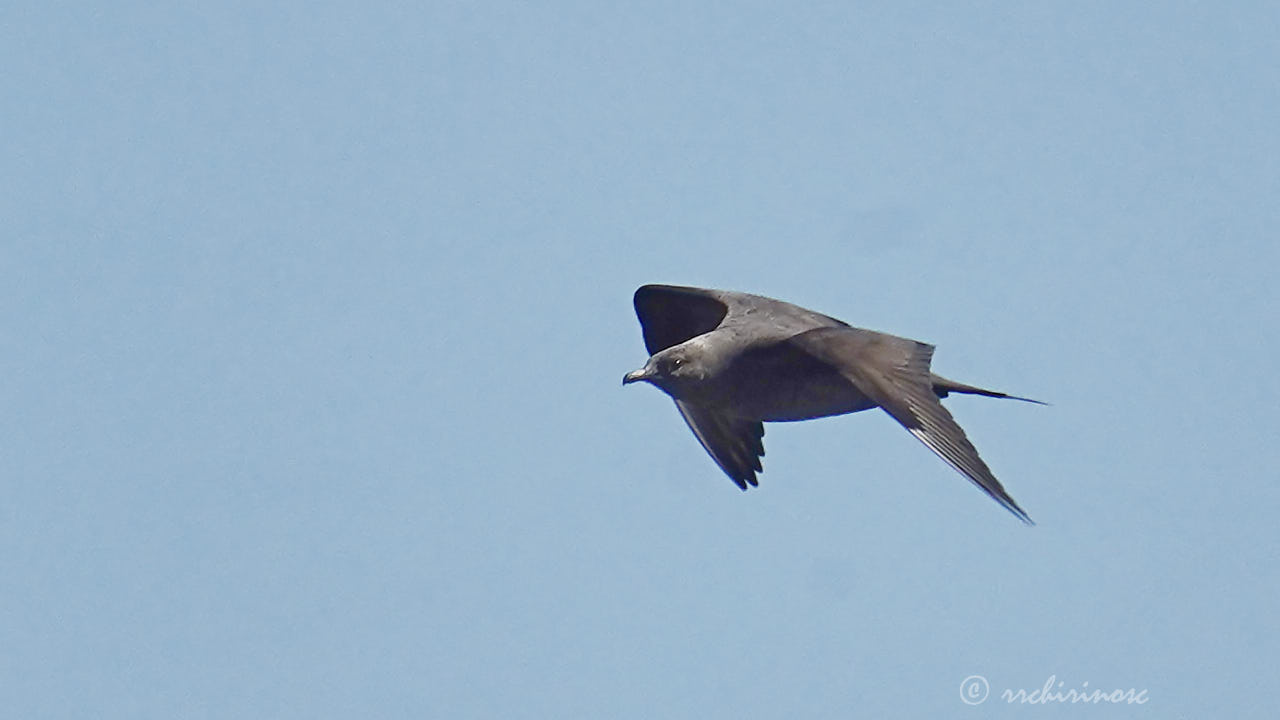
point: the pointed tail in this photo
(943, 387)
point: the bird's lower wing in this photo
(894, 372)
(735, 444)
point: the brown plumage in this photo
(733, 361)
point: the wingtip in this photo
(1018, 513)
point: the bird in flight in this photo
(733, 361)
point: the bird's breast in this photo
(780, 383)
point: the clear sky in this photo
(313, 319)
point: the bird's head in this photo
(672, 369)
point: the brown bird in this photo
(732, 361)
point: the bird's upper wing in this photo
(734, 443)
(894, 372)
(671, 315)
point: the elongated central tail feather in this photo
(943, 387)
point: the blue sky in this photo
(314, 316)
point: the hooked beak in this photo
(643, 373)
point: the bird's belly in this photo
(786, 397)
